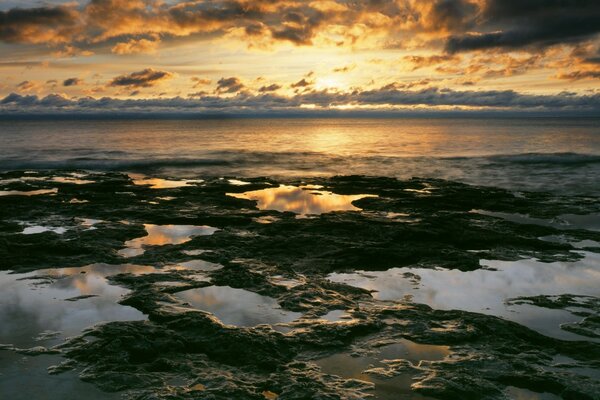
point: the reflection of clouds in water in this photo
(237, 182)
(35, 229)
(301, 200)
(160, 235)
(516, 393)
(75, 181)
(237, 306)
(197, 265)
(414, 352)
(564, 221)
(27, 193)
(348, 365)
(30, 306)
(453, 289)
(157, 183)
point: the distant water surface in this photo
(525, 154)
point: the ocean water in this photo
(550, 154)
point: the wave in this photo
(547, 158)
(107, 161)
(102, 164)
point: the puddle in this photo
(301, 200)
(516, 393)
(22, 179)
(580, 244)
(566, 221)
(346, 366)
(237, 182)
(453, 289)
(73, 180)
(268, 219)
(166, 198)
(237, 306)
(89, 223)
(195, 252)
(336, 316)
(160, 235)
(158, 183)
(31, 229)
(573, 365)
(35, 229)
(285, 282)
(77, 201)
(34, 304)
(25, 378)
(28, 193)
(199, 265)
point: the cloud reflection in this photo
(301, 200)
(160, 235)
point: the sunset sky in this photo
(280, 56)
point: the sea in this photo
(549, 154)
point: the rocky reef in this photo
(237, 297)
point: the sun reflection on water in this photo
(302, 200)
(160, 235)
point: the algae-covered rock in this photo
(267, 263)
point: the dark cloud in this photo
(39, 25)
(514, 24)
(301, 83)
(344, 69)
(28, 86)
(578, 75)
(141, 79)
(296, 21)
(452, 15)
(229, 85)
(72, 82)
(470, 24)
(269, 88)
(270, 102)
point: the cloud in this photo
(295, 21)
(229, 85)
(140, 46)
(386, 98)
(446, 15)
(28, 86)
(515, 24)
(302, 83)
(199, 82)
(269, 88)
(427, 61)
(142, 79)
(344, 69)
(577, 75)
(72, 82)
(39, 25)
(137, 25)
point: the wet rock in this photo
(186, 353)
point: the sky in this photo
(277, 56)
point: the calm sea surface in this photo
(523, 154)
